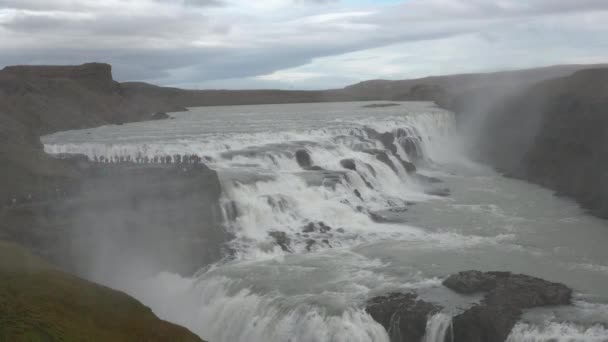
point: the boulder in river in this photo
(403, 315)
(507, 295)
(159, 116)
(282, 240)
(349, 164)
(303, 159)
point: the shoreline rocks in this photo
(507, 295)
(405, 316)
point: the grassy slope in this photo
(40, 303)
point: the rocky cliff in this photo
(555, 133)
(92, 220)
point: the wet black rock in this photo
(427, 179)
(387, 139)
(159, 116)
(378, 218)
(303, 159)
(323, 228)
(282, 240)
(319, 227)
(349, 164)
(371, 169)
(309, 244)
(309, 228)
(441, 192)
(381, 105)
(507, 295)
(383, 157)
(403, 315)
(408, 166)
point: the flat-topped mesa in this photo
(93, 75)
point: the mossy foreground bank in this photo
(40, 303)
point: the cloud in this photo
(206, 42)
(317, 2)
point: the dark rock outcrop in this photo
(383, 157)
(349, 164)
(381, 105)
(165, 216)
(159, 116)
(403, 315)
(507, 295)
(440, 192)
(303, 158)
(282, 240)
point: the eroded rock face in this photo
(555, 134)
(165, 217)
(403, 315)
(507, 295)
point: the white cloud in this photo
(300, 43)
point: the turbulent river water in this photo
(354, 225)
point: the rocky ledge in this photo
(506, 295)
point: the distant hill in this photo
(459, 83)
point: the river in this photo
(314, 240)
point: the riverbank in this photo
(38, 302)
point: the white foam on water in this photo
(243, 302)
(558, 332)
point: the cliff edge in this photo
(555, 133)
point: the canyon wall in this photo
(554, 133)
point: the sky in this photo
(301, 44)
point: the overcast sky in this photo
(304, 44)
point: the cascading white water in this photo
(438, 328)
(266, 192)
(313, 244)
(558, 332)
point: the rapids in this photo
(313, 242)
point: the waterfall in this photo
(439, 328)
(320, 201)
(298, 190)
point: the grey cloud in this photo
(195, 3)
(161, 47)
(323, 2)
(73, 6)
(45, 5)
